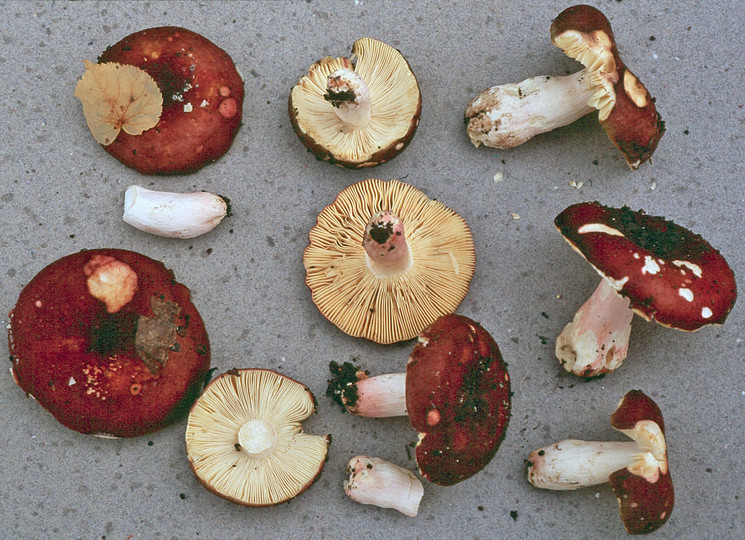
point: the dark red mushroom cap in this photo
(109, 343)
(457, 397)
(627, 110)
(644, 491)
(668, 273)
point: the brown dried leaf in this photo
(118, 97)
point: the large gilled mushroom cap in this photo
(365, 296)
(245, 442)
(358, 111)
(458, 398)
(644, 489)
(627, 111)
(109, 343)
(668, 273)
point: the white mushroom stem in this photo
(257, 438)
(381, 483)
(597, 339)
(573, 464)
(381, 396)
(506, 116)
(385, 245)
(348, 93)
(173, 215)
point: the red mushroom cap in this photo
(645, 497)
(457, 397)
(122, 362)
(627, 110)
(668, 273)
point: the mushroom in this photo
(384, 261)
(508, 115)
(173, 215)
(637, 470)
(109, 343)
(456, 392)
(359, 111)
(381, 483)
(244, 439)
(650, 266)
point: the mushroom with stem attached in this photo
(456, 393)
(508, 115)
(384, 260)
(245, 442)
(359, 111)
(637, 470)
(650, 266)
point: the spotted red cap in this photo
(668, 273)
(627, 111)
(644, 489)
(458, 398)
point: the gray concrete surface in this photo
(60, 192)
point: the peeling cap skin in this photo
(384, 261)
(109, 343)
(627, 111)
(244, 438)
(359, 111)
(668, 273)
(637, 470)
(458, 398)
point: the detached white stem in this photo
(506, 116)
(381, 483)
(381, 396)
(597, 339)
(573, 464)
(173, 215)
(348, 93)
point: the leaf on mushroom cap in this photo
(230, 401)
(668, 273)
(645, 503)
(396, 307)
(627, 111)
(118, 97)
(458, 398)
(396, 107)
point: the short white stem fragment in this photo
(381, 396)
(597, 340)
(348, 93)
(173, 215)
(381, 483)
(573, 464)
(385, 244)
(506, 116)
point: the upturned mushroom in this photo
(381, 483)
(506, 116)
(637, 470)
(455, 391)
(359, 111)
(244, 438)
(384, 261)
(109, 343)
(650, 266)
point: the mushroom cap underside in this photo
(395, 101)
(234, 399)
(669, 274)
(627, 111)
(393, 308)
(458, 397)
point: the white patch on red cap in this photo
(650, 266)
(706, 313)
(686, 293)
(599, 228)
(696, 269)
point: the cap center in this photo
(257, 438)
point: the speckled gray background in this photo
(60, 192)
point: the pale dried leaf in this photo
(118, 97)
